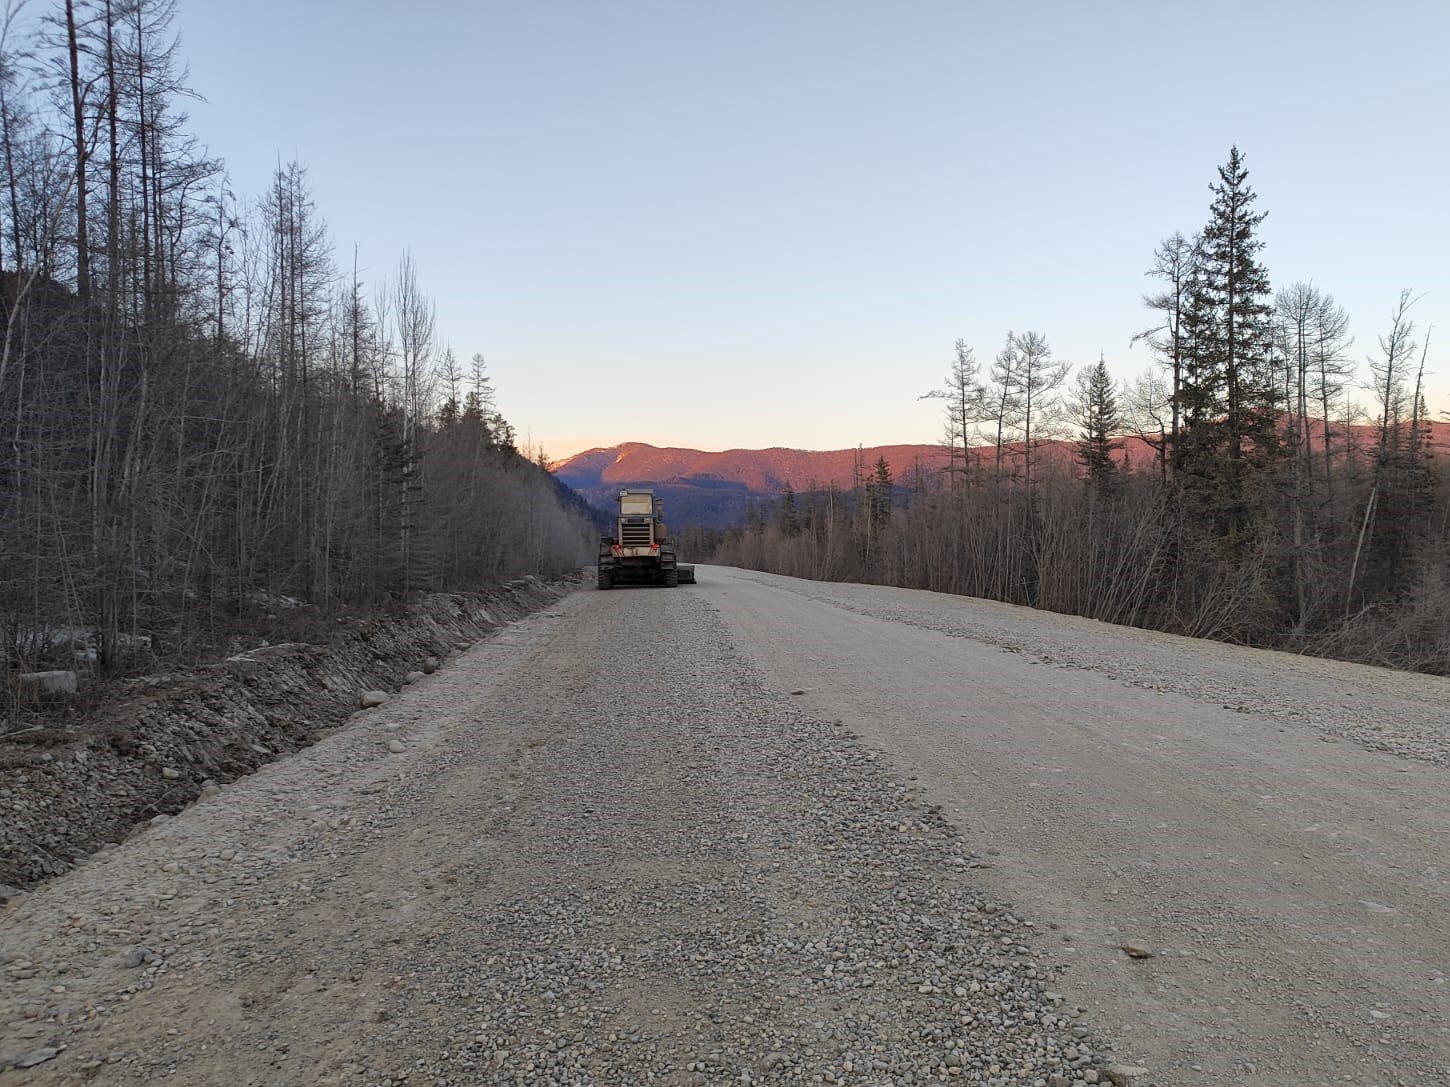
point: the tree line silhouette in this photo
(203, 417)
(1238, 489)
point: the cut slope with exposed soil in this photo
(66, 793)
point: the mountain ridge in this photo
(768, 469)
(712, 489)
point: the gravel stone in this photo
(35, 1057)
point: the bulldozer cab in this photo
(636, 504)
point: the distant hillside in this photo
(711, 489)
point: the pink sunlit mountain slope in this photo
(711, 489)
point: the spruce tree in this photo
(789, 520)
(879, 494)
(1095, 411)
(1228, 391)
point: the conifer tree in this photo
(1094, 408)
(879, 487)
(1228, 388)
(789, 519)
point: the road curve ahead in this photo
(1274, 829)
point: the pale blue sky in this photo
(749, 224)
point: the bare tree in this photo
(1174, 262)
(1039, 378)
(1003, 399)
(1390, 372)
(965, 406)
(78, 85)
(1148, 411)
(414, 322)
(452, 378)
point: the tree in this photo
(1312, 336)
(1173, 263)
(15, 125)
(414, 324)
(145, 79)
(451, 376)
(1227, 387)
(1331, 371)
(1390, 375)
(965, 404)
(78, 86)
(196, 418)
(1094, 409)
(299, 281)
(1401, 484)
(1148, 410)
(1238, 290)
(789, 519)
(880, 489)
(1037, 377)
(1003, 398)
(876, 489)
(1310, 333)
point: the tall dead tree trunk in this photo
(82, 156)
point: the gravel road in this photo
(1274, 829)
(763, 830)
(595, 849)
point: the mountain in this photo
(711, 490)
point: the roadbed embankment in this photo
(67, 793)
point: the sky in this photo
(747, 224)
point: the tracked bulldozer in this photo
(640, 552)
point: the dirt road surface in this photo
(765, 830)
(1275, 829)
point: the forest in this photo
(207, 418)
(1254, 485)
